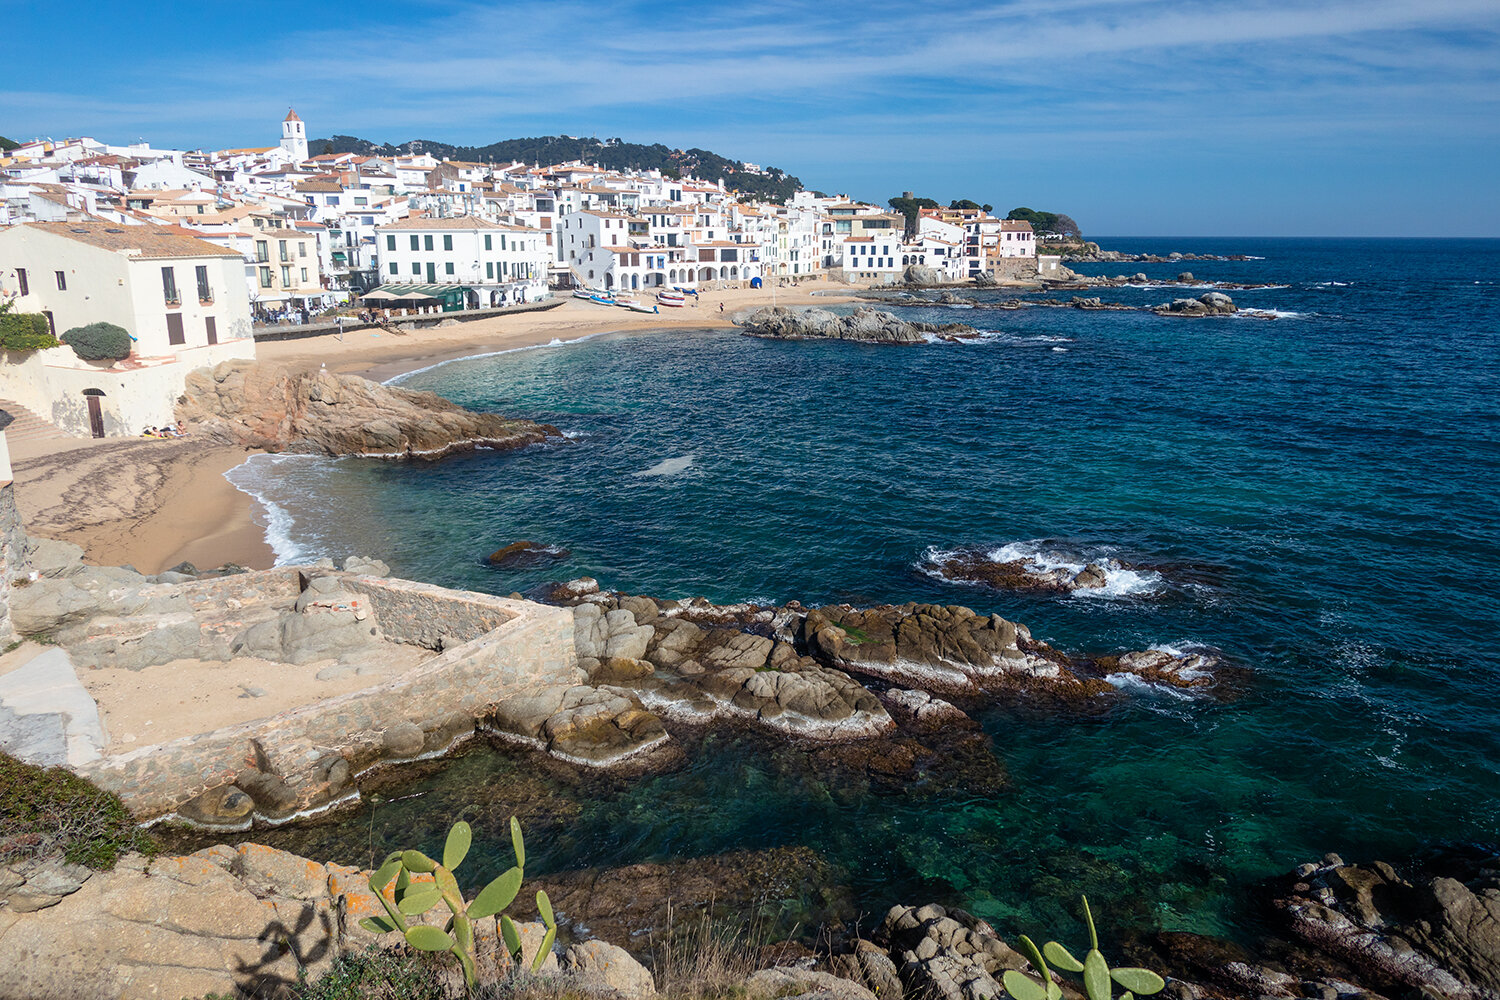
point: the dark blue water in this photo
(1321, 488)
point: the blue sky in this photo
(1142, 117)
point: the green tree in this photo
(964, 204)
(912, 209)
(7, 144)
(99, 342)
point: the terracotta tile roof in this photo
(135, 241)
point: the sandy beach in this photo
(153, 504)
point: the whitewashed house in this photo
(182, 300)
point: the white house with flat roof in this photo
(496, 263)
(182, 300)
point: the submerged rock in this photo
(244, 403)
(525, 553)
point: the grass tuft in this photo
(45, 811)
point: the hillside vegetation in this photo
(611, 154)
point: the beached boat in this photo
(641, 308)
(674, 299)
(582, 293)
(603, 298)
(626, 303)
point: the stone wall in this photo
(310, 757)
(12, 554)
(424, 615)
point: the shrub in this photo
(47, 810)
(99, 342)
(25, 332)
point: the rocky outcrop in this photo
(243, 403)
(1207, 304)
(980, 565)
(921, 276)
(685, 671)
(1437, 930)
(864, 324)
(247, 920)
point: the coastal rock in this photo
(791, 981)
(1437, 931)
(602, 726)
(920, 276)
(1207, 304)
(708, 673)
(243, 403)
(980, 565)
(246, 921)
(947, 953)
(934, 647)
(923, 712)
(605, 968)
(864, 324)
(518, 554)
(366, 566)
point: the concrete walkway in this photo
(46, 716)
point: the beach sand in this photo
(152, 504)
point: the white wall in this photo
(51, 383)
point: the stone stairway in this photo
(30, 435)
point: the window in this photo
(265, 277)
(21, 278)
(205, 294)
(390, 242)
(169, 286)
(447, 242)
(281, 246)
(301, 249)
(448, 267)
(62, 281)
(261, 253)
(304, 274)
(361, 201)
(174, 329)
(211, 329)
(489, 267)
(487, 242)
(393, 267)
(416, 268)
(427, 243)
(416, 243)
(502, 241)
(286, 275)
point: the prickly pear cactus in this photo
(411, 898)
(1099, 980)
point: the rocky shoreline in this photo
(253, 918)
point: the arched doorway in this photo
(609, 280)
(96, 411)
(635, 282)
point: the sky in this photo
(1136, 117)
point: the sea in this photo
(1310, 487)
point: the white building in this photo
(1016, 239)
(182, 300)
(493, 263)
(294, 137)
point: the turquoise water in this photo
(1318, 490)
